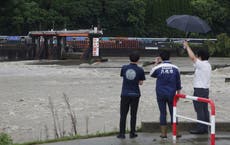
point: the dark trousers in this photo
(125, 104)
(201, 108)
(162, 102)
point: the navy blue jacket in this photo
(168, 79)
(131, 74)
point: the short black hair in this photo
(165, 55)
(134, 56)
(203, 54)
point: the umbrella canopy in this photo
(188, 23)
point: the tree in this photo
(157, 11)
(139, 18)
(216, 12)
(122, 18)
(136, 17)
(5, 17)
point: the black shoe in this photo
(178, 136)
(198, 132)
(121, 136)
(133, 135)
(163, 137)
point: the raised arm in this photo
(190, 52)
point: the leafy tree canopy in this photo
(139, 18)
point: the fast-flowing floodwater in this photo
(93, 92)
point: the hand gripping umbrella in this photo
(188, 23)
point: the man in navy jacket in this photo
(168, 83)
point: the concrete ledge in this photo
(183, 126)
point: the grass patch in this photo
(68, 138)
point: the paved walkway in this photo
(222, 138)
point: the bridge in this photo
(53, 44)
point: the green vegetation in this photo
(140, 18)
(66, 138)
(221, 47)
(5, 139)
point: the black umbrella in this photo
(188, 23)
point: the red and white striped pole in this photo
(199, 99)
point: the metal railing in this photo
(199, 99)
